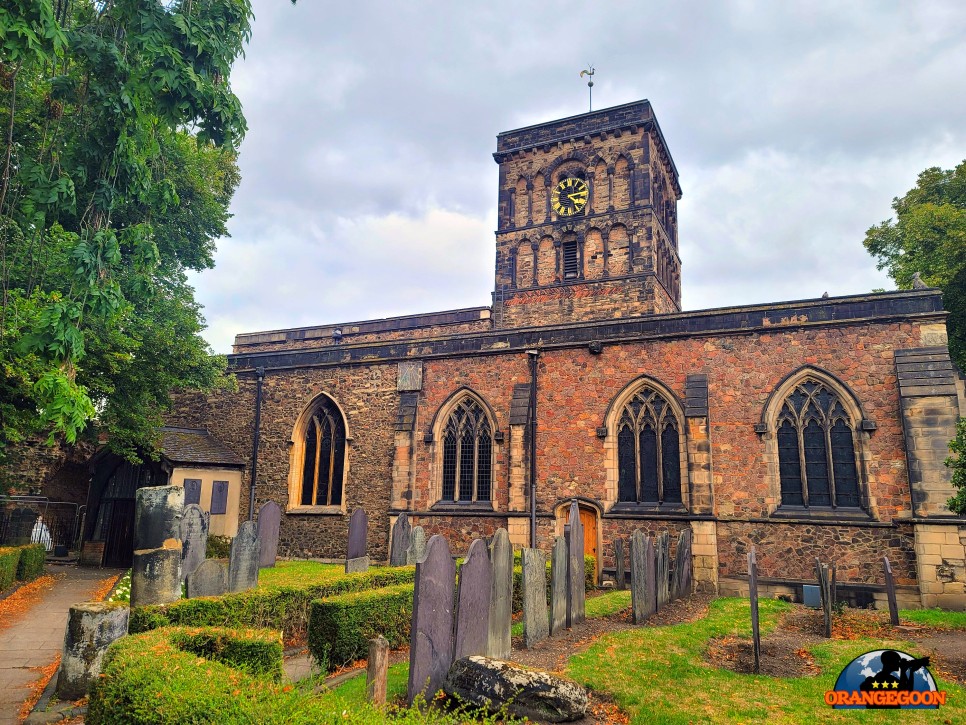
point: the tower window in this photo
(571, 260)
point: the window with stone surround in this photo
(466, 460)
(318, 462)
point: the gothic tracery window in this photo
(467, 454)
(816, 449)
(324, 456)
(648, 451)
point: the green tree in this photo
(117, 165)
(957, 462)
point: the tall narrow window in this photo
(571, 260)
(467, 454)
(816, 449)
(648, 451)
(324, 460)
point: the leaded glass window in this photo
(467, 454)
(324, 462)
(816, 449)
(648, 451)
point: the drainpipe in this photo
(534, 354)
(260, 376)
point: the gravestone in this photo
(650, 576)
(269, 521)
(639, 583)
(891, 593)
(536, 626)
(377, 670)
(417, 546)
(194, 538)
(558, 585)
(683, 566)
(400, 539)
(753, 594)
(501, 599)
(431, 639)
(620, 566)
(91, 628)
(356, 559)
(243, 560)
(825, 589)
(661, 548)
(576, 559)
(208, 580)
(156, 575)
(157, 516)
(473, 602)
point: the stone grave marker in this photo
(356, 559)
(501, 599)
(243, 560)
(650, 576)
(661, 548)
(891, 592)
(558, 585)
(639, 583)
(683, 566)
(91, 628)
(536, 625)
(400, 539)
(156, 575)
(194, 538)
(753, 594)
(377, 670)
(269, 521)
(208, 580)
(620, 566)
(417, 546)
(157, 516)
(473, 602)
(577, 578)
(825, 590)
(431, 640)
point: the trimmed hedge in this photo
(340, 627)
(33, 560)
(255, 651)
(9, 559)
(284, 608)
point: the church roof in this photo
(197, 446)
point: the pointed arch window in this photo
(816, 449)
(649, 451)
(324, 456)
(467, 464)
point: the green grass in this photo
(938, 618)
(299, 574)
(602, 605)
(658, 675)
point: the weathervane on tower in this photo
(590, 84)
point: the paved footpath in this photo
(37, 636)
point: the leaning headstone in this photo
(156, 575)
(473, 602)
(501, 600)
(753, 593)
(620, 566)
(639, 584)
(269, 522)
(157, 516)
(91, 628)
(356, 559)
(399, 541)
(417, 546)
(891, 593)
(208, 580)
(431, 639)
(536, 626)
(243, 560)
(681, 584)
(576, 574)
(194, 538)
(825, 590)
(661, 548)
(558, 585)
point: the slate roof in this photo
(196, 446)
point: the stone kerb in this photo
(536, 625)
(269, 523)
(431, 639)
(473, 602)
(244, 558)
(194, 538)
(558, 585)
(501, 601)
(399, 541)
(91, 628)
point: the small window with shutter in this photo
(571, 261)
(219, 497)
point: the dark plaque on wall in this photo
(219, 497)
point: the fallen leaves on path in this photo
(104, 588)
(21, 601)
(37, 686)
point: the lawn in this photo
(299, 573)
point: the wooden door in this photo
(588, 518)
(119, 544)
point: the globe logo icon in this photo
(887, 679)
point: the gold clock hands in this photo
(578, 197)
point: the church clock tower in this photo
(587, 220)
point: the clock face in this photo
(570, 196)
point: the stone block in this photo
(357, 565)
(91, 628)
(156, 575)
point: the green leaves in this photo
(957, 462)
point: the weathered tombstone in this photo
(501, 599)
(377, 670)
(91, 628)
(417, 546)
(157, 516)
(269, 521)
(400, 539)
(825, 589)
(650, 576)
(639, 582)
(558, 585)
(194, 538)
(536, 626)
(661, 548)
(682, 566)
(431, 640)
(243, 559)
(156, 575)
(753, 593)
(891, 593)
(576, 574)
(208, 580)
(620, 566)
(473, 602)
(356, 559)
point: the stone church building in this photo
(811, 428)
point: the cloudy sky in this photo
(368, 184)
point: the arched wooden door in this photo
(588, 517)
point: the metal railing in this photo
(38, 520)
